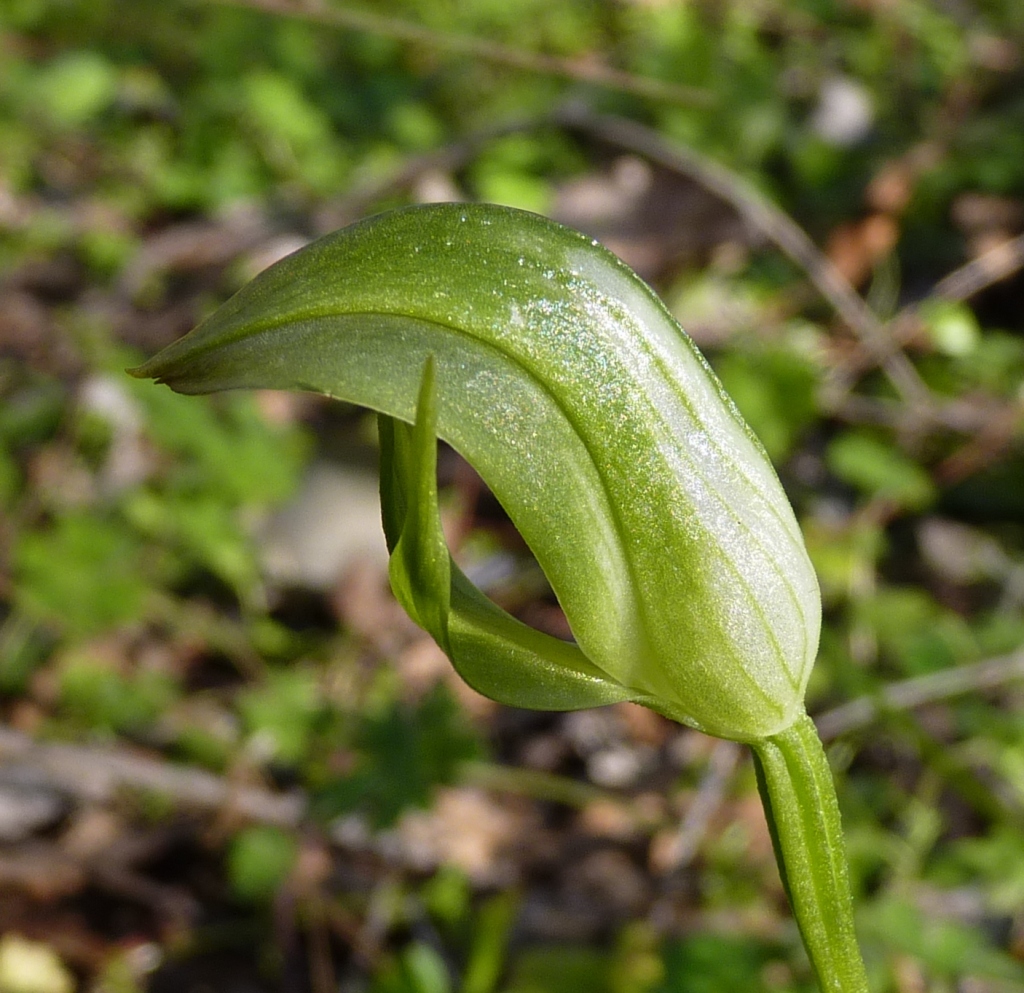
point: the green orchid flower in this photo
(647, 501)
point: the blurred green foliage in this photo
(404, 753)
(259, 860)
(56, 573)
(97, 697)
(875, 467)
(418, 968)
(137, 606)
(708, 963)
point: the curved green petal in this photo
(496, 654)
(420, 566)
(648, 503)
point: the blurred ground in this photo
(229, 762)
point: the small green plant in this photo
(645, 497)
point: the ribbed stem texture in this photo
(803, 816)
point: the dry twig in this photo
(910, 693)
(774, 224)
(95, 774)
(708, 799)
(979, 274)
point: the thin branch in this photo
(994, 435)
(775, 224)
(881, 339)
(910, 693)
(979, 274)
(537, 785)
(97, 774)
(961, 284)
(683, 848)
(963, 416)
(582, 70)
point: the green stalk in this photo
(800, 804)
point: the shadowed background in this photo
(229, 762)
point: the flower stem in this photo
(800, 804)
